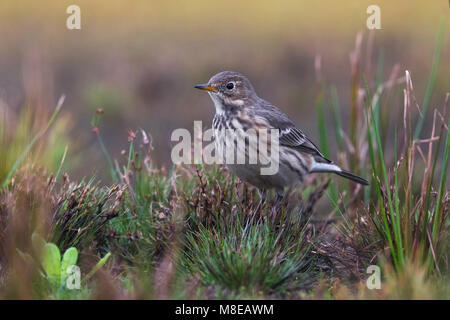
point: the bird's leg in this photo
(263, 195)
(276, 205)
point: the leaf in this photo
(69, 258)
(98, 266)
(38, 243)
(51, 262)
(26, 257)
(30, 260)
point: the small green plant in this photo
(54, 268)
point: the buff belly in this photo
(289, 174)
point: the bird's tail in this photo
(353, 177)
(331, 167)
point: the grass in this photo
(192, 231)
(247, 257)
(17, 141)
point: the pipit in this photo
(238, 107)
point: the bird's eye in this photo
(230, 85)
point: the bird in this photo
(238, 106)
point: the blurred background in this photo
(138, 61)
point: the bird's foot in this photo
(263, 194)
(276, 207)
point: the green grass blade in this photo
(335, 109)
(371, 125)
(432, 80)
(27, 150)
(439, 208)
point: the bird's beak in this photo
(205, 87)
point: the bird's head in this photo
(228, 88)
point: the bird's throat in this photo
(218, 103)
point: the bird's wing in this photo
(290, 135)
(295, 138)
